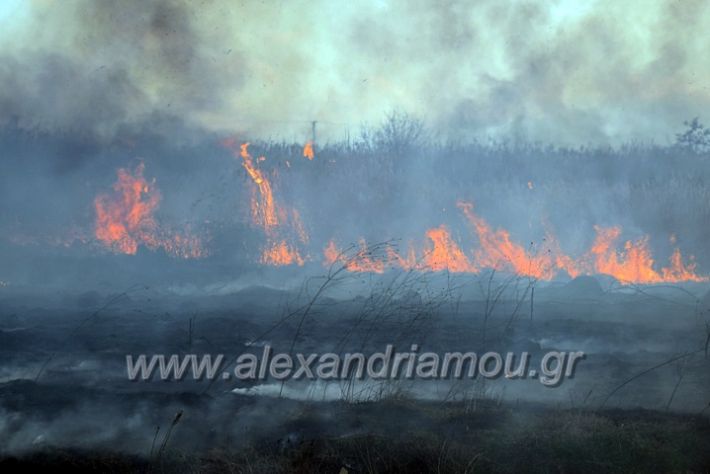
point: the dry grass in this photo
(405, 436)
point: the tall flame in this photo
(362, 261)
(499, 252)
(308, 150)
(124, 219)
(263, 208)
(271, 217)
(445, 254)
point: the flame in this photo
(124, 219)
(445, 254)
(496, 249)
(442, 253)
(499, 252)
(331, 254)
(298, 226)
(263, 208)
(678, 271)
(276, 221)
(308, 150)
(561, 261)
(363, 261)
(635, 264)
(281, 254)
(127, 219)
(407, 262)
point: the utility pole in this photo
(313, 132)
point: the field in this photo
(74, 303)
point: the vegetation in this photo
(405, 436)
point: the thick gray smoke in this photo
(603, 72)
(94, 87)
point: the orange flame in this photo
(298, 226)
(123, 222)
(635, 264)
(442, 254)
(308, 150)
(445, 254)
(281, 254)
(406, 262)
(263, 208)
(363, 261)
(266, 213)
(331, 254)
(679, 271)
(125, 219)
(497, 251)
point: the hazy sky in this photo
(559, 71)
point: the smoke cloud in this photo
(561, 72)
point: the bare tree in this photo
(695, 138)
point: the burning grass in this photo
(496, 249)
(125, 220)
(541, 212)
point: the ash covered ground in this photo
(65, 397)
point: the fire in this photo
(678, 271)
(561, 261)
(442, 253)
(445, 254)
(263, 208)
(181, 245)
(363, 261)
(331, 254)
(407, 262)
(299, 227)
(278, 222)
(280, 254)
(499, 252)
(308, 150)
(635, 263)
(124, 219)
(496, 250)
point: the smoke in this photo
(101, 68)
(93, 88)
(604, 72)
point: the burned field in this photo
(262, 258)
(66, 398)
